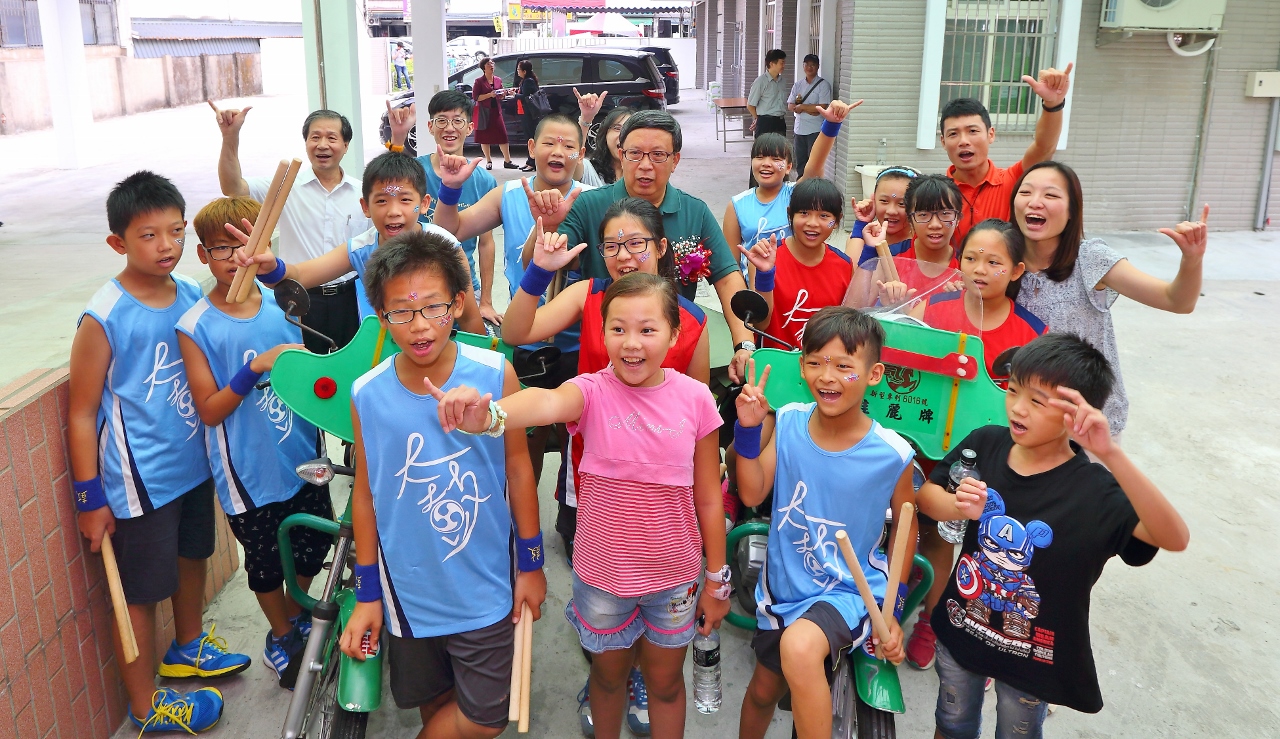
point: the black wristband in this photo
(1055, 108)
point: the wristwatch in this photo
(748, 345)
(722, 588)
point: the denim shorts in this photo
(959, 713)
(606, 622)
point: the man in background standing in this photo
(400, 58)
(767, 101)
(806, 95)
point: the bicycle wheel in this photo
(325, 718)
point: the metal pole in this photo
(1202, 131)
(1268, 158)
(324, 94)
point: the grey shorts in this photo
(147, 547)
(476, 665)
(767, 643)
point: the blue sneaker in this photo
(303, 622)
(206, 656)
(276, 654)
(637, 704)
(174, 711)
(584, 711)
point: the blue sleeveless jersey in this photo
(817, 493)
(149, 444)
(517, 222)
(360, 249)
(254, 451)
(444, 526)
(757, 220)
(476, 187)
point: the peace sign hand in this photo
(751, 404)
(456, 170)
(551, 251)
(835, 111)
(1052, 86)
(462, 408)
(763, 254)
(1191, 236)
(590, 104)
(230, 120)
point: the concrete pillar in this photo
(430, 75)
(67, 77)
(331, 35)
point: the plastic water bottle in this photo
(966, 466)
(706, 672)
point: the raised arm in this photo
(833, 113)
(589, 106)
(763, 255)
(755, 466)
(1180, 295)
(312, 273)
(526, 321)
(480, 218)
(1052, 87)
(230, 122)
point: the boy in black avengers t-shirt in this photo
(1045, 520)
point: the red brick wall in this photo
(59, 675)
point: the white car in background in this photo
(467, 49)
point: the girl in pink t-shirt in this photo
(648, 505)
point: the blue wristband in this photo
(448, 195)
(368, 583)
(89, 495)
(900, 602)
(746, 441)
(856, 232)
(274, 275)
(529, 553)
(831, 129)
(243, 381)
(764, 280)
(536, 280)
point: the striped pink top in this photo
(637, 527)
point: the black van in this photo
(630, 76)
(668, 69)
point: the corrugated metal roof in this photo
(211, 28)
(152, 48)
(613, 6)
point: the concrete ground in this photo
(1185, 646)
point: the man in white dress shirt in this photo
(323, 211)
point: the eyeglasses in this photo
(442, 123)
(637, 245)
(947, 217)
(635, 155)
(221, 253)
(405, 315)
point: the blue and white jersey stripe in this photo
(149, 445)
(817, 493)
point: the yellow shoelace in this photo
(216, 642)
(178, 710)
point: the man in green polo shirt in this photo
(650, 143)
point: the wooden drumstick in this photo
(255, 234)
(128, 642)
(526, 668)
(896, 564)
(517, 672)
(878, 625)
(886, 258)
(264, 239)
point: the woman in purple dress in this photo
(488, 94)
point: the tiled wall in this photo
(59, 675)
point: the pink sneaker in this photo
(920, 647)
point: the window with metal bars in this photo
(989, 45)
(770, 26)
(815, 26)
(20, 23)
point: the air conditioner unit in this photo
(1164, 15)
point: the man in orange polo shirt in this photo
(967, 134)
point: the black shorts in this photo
(562, 370)
(147, 547)
(766, 644)
(476, 665)
(256, 531)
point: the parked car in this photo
(467, 49)
(630, 76)
(667, 67)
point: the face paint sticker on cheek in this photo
(831, 224)
(445, 320)
(642, 258)
(851, 378)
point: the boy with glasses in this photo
(253, 441)
(450, 123)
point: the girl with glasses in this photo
(933, 205)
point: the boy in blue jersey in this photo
(450, 123)
(809, 611)
(139, 471)
(253, 447)
(556, 149)
(394, 195)
(436, 515)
